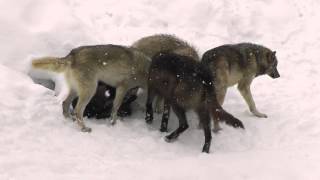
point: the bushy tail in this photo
(216, 109)
(228, 118)
(51, 64)
(219, 113)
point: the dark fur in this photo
(185, 84)
(100, 105)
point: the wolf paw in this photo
(158, 109)
(163, 129)
(66, 115)
(206, 148)
(216, 130)
(259, 114)
(86, 129)
(113, 122)
(149, 119)
(171, 137)
(200, 126)
(73, 116)
(168, 139)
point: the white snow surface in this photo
(37, 142)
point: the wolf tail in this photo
(51, 64)
(219, 113)
(223, 115)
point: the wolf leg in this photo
(221, 93)
(149, 110)
(221, 79)
(220, 96)
(120, 93)
(159, 105)
(244, 88)
(204, 117)
(183, 124)
(125, 108)
(67, 102)
(86, 92)
(165, 116)
(216, 125)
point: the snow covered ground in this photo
(36, 142)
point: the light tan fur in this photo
(50, 63)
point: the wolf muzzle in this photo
(274, 74)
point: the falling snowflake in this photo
(107, 93)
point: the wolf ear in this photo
(274, 53)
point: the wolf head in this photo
(269, 65)
(272, 70)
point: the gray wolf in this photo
(121, 67)
(240, 64)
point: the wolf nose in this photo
(275, 74)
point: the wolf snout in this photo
(275, 74)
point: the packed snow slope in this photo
(37, 142)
